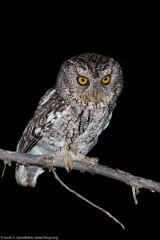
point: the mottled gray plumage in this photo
(72, 114)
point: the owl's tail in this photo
(27, 175)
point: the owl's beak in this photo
(96, 95)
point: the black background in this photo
(35, 40)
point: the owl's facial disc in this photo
(91, 90)
(90, 79)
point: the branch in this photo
(47, 162)
(84, 164)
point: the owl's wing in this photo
(46, 97)
(29, 138)
(45, 114)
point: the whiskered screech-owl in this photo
(73, 113)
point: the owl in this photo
(73, 113)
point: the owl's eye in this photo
(106, 79)
(82, 80)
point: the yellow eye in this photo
(106, 79)
(82, 80)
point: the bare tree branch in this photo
(47, 162)
(84, 164)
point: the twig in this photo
(83, 198)
(4, 168)
(135, 192)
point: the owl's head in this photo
(90, 79)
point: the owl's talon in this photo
(79, 156)
(93, 160)
(68, 164)
(89, 160)
(54, 160)
(67, 160)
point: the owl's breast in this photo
(85, 128)
(78, 129)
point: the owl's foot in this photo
(67, 158)
(70, 156)
(91, 160)
(68, 162)
(79, 156)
